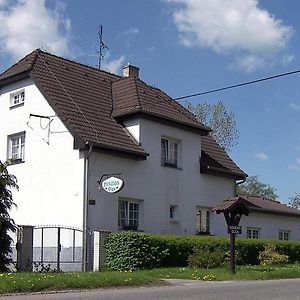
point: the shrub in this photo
(132, 251)
(269, 256)
(205, 258)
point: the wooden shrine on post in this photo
(233, 208)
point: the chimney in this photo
(130, 70)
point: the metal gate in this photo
(57, 248)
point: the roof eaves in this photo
(274, 211)
(206, 168)
(12, 79)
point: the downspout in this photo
(238, 183)
(85, 210)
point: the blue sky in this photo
(184, 47)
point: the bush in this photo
(269, 256)
(132, 251)
(205, 258)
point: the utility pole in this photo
(102, 46)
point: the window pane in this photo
(133, 214)
(122, 213)
(17, 147)
(164, 151)
(171, 213)
(207, 221)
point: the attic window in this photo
(17, 99)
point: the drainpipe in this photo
(238, 183)
(85, 241)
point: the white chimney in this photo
(130, 70)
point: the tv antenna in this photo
(102, 46)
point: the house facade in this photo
(67, 127)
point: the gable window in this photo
(203, 220)
(169, 152)
(284, 235)
(128, 214)
(16, 147)
(253, 233)
(17, 99)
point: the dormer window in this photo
(169, 152)
(17, 98)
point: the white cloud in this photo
(294, 106)
(231, 26)
(132, 30)
(248, 63)
(261, 156)
(287, 59)
(114, 66)
(29, 24)
(295, 165)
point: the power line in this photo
(237, 85)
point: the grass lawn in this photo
(33, 282)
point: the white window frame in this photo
(253, 233)
(130, 217)
(16, 146)
(203, 220)
(169, 152)
(284, 235)
(17, 98)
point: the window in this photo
(17, 98)
(203, 220)
(253, 233)
(284, 235)
(173, 213)
(128, 214)
(169, 152)
(16, 146)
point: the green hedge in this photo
(133, 250)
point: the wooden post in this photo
(232, 253)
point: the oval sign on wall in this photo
(112, 184)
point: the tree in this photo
(295, 201)
(253, 187)
(219, 120)
(7, 182)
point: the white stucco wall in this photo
(51, 178)
(270, 224)
(155, 186)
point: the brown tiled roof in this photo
(81, 97)
(232, 204)
(258, 204)
(90, 102)
(215, 159)
(132, 95)
(269, 205)
(25, 64)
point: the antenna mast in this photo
(102, 46)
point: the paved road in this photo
(188, 290)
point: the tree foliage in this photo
(219, 120)
(295, 201)
(7, 183)
(253, 187)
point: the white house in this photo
(68, 126)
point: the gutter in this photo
(85, 242)
(236, 185)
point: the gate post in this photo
(25, 248)
(100, 237)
